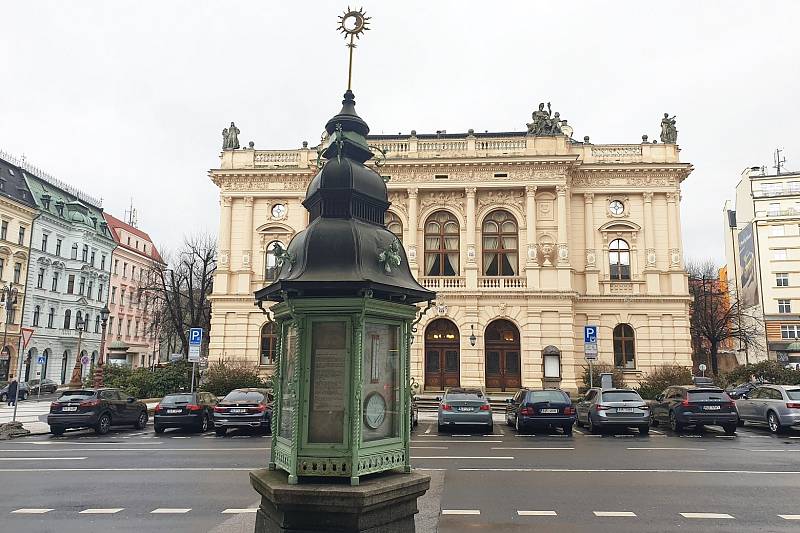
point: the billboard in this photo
(748, 272)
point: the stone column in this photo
(563, 248)
(245, 267)
(649, 240)
(411, 244)
(588, 226)
(225, 233)
(673, 219)
(471, 268)
(530, 216)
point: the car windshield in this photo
(793, 394)
(76, 395)
(708, 395)
(244, 396)
(547, 396)
(174, 399)
(621, 396)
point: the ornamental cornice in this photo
(263, 182)
(499, 198)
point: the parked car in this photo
(21, 394)
(414, 412)
(47, 386)
(244, 408)
(687, 405)
(190, 410)
(531, 408)
(96, 408)
(464, 407)
(777, 406)
(737, 391)
(621, 408)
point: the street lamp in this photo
(472, 338)
(98, 371)
(9, 295)
(75, 380)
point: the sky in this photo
(126, 99)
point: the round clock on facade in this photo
(278, 211)
(616, 208)
(374, 410)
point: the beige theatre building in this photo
(525, 236)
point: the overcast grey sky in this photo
(126, 99)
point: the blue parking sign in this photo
(589, 334)
(196, 336)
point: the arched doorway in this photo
(442, 355)
(31, 363)
(64, 361)
(502, 356)
(45, 366)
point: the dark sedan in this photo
(531, 408)
(190, 410)
(687, 405)
(243, 408)
(21, 394)
(47, 386)
(95, 408)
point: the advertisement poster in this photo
(747, 268)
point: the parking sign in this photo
(589, 334)
(195, 340)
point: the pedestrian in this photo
(12, 391)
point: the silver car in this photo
(777, 406)
(464, 407)
(613, 408)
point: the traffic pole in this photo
(591, 375)
(193, 367)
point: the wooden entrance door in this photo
(502, 354)
(442, 355)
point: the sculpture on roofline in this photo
(545, 122)
(669, 134)
(230, 137)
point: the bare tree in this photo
(181, 288)
(717, 313)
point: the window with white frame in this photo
(790, 331)
(784, 306)
(774, 209)
(779, 254)
(778, 230)
(782, 279)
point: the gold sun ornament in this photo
(352, 24)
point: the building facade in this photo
(17, 213)
(525, 238)
(762, 248)
(131, 334)
(68, 278)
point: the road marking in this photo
(167, 510)
(96, 443)
(537, 513)
(180, 437)
(111, 469)
(671, 449)
(427, 431)
(463, 457)
(240, 511)
(771, 450)
(784, 516)
(616, 514)
(41, 458)
(706, 515)
(111, 510)
(462, 511)
(428, 447)
(31, 511)
(657, 432)
(446, 441)
(232, 449)
(613, 471)
(535, 448)
(725, 436)
(578, 431)
(431, 469)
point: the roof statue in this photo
(669, 134)
(230, 137)
(545, 122)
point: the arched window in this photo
(36, 312)
(619, 258)
(393, 224)
(67, 318)
(268, 343)
(97, 324)
(79, 320)
(441, 245)
(271, 262)
(51, 316)
(624, 346)
(500, 250)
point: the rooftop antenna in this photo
(778, 161)
(130, 216)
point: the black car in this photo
(414, 412)
(687, 405)
(531, 408)
(244, 408)
(47, 386)
(96, 408)
(22, 393)
(191, 410)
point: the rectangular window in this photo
(381, 363)
(58, 247)
(779, 254)
(44, 242)
(81, 285)
(2, 267)
(54, 286)
(110, 324)
(116, 266)
(133, 271)
(128, 328)
(85, 253)
(74, 251)
(789, 331)
(21, 240)
(777, 230)
(103, 262)
(782, 279)
(40, 279)
(784, 306)
(89, 290)
(50, 317)
(91, 259)
(4, 230)
(71, 284)
(17, 272)
(122, 297)
(552, 366)
(100, 293)
(113, 295)
(124, 270)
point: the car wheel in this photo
(740, 422)
(440, 428)
(158, 429)
(644, 430)
(593, 429)
(673, 422)
(3, 397)
(103, 425)
(508, 421)
(773, 423)
(141, 422)
(567, 430)
(23, 396)
(57, 430)
(653, 420)
(203, 426)
(519, 427)
(579, 422)
(221, 432)
(730, 429)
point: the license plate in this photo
(711, 407)
(173, 411)
(67, 409)
(237, 410)
(624, 409)
(548, 411)
(465, 408)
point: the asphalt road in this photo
(135, 481)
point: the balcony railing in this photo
(767, 193)
(443, 282)
(791, 212)
(502, 282)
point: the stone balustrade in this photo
(502, 282)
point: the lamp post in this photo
(472, 338)
(75, 380)
(9, 294)
(98, 371)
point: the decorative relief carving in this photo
(226, 201)
(500, 198)
(617, 152)
(648, 197)
(651, 256)
(454, 199)
(591, 258)
(544, 209)
(478, 174)
(471, 253)
(563, 253)
(533, 252)
(530, 190)
(547, 252)
(562, 190)
(223, 257)
(675, 256)
(412, 253)
(248, 201)
(588, 197)
(591, 181)
(246, 259)
(293, 182)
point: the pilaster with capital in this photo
(226, 203)
(673, 215)
(247, 249)
(411, 246)
(530, 232)
(471, 232)
(563, 249)
(649, 240)
(588, 217)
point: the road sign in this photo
(590, 350)
(85, 360)
(173, 357)
(702, 367)
(589, 334)
(195, 336)
(40, 360)
(194, 353)
(27, 333)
